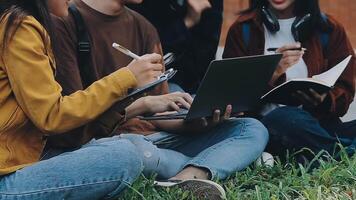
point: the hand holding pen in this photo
(292, 53)
(167, 58)
(146, 68)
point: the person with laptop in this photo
(311, 42)
(186, 153)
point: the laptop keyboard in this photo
(182, 111)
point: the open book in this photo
(322, 83)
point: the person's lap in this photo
(99, 170)
(228, 148)
(103, 168)
(293, 129)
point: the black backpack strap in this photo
(83, 47)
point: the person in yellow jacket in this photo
(31, 107)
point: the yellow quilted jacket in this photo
(31, 104)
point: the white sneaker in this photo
(200, 189)
(265, 159)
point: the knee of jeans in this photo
(127, 156)
(141, 143)
(257, 131)
(147, 150)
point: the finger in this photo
(216, 116)
(294, 57)
(289, 46)
(313, 100)
(152, 58)
(307, 98)
(317, 96)
(156, 67)
(154, 75)
(289, 62)
(187, 97)
(182, 102)
(204, 122)
(173, 106)
(289, 53)
(227, 113)
(323, 96)
(299, 98)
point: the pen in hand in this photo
(136, 57)
(125, 51)
(293, 49)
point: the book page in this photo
(330, 77)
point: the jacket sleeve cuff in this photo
(124, 79)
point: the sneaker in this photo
(266, 159)
(201, 189)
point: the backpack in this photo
(83, 48)
(323, 36)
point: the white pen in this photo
(125, 51)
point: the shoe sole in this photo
(201, 189)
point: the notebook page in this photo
(330, 77)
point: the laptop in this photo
(239, 82)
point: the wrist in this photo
(274, 79)
(144, 105)
(137, 108)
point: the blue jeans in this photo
(293, 129)
(98, 170)
(173, 87)
(224, 150)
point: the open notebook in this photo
(321, 83)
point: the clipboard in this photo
(138, 92)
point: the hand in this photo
(310, 98)
(203, 123)
(290, 58)
(195, 10)
(196, 126)
(159, 104)
(146, 69)
(217, 119)
(168, 102)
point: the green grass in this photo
(286, 180)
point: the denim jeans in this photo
(293, 129)
(173, 87)
(224, 150)
(98, 170)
